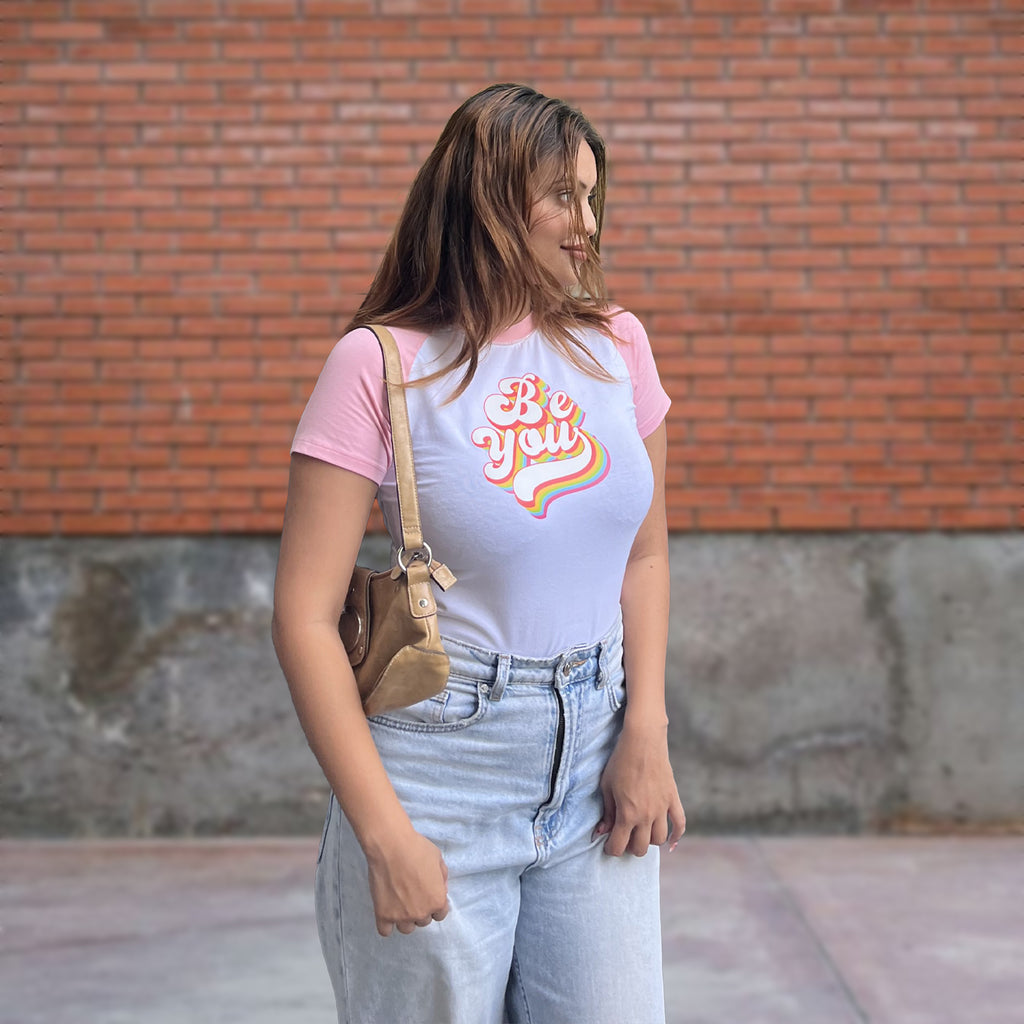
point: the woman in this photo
(500, 828)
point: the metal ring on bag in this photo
(358, 636)
(418, 553)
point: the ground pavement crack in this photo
(794, 905)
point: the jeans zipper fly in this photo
(559, 742)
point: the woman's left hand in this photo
(640, 795)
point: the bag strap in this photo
(405, 469)
(401, 442)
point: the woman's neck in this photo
(517, 317)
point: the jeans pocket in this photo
(464, 703)
(457, 706)
(326, 828)
(423, 713)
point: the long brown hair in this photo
(460, 256)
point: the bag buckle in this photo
(423, 553)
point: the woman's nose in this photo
(589, 220)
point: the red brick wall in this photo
(812, 207)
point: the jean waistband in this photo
(583, 662)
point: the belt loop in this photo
(602, 665)
(504, 668)
(561, 671)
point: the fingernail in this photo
(671, 849)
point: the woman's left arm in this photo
(640, 795)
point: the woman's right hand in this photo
(408, 884)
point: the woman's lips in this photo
(574, 250)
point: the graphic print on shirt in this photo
(536, 445)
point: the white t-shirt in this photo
(532, 483)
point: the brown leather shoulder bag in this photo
(389, 624)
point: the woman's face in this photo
(551, 229)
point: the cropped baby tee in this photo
(531, 484)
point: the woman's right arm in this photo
(324, 521)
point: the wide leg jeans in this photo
(501, 770)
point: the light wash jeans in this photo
(501, 771)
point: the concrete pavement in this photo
(816, 930)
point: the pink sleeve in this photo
(346, 421)
(650, 399)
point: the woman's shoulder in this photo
(358, 344)
(626, 325)
(359, 348)
(622, 334)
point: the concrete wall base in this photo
(816, 683)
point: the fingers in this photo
(385, 928)
(619, 839)
(678, 816)
(629, 840)
(638, 838)
(407, 927)
(608, 816)
(641, 840)
(659, 831)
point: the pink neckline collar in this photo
(516, 332)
